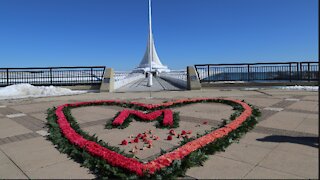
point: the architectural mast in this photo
(150, 61)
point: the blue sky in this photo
(113, 33)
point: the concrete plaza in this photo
(283, 145)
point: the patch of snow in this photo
(27, 90)
(296, 87)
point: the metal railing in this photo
(62, 76)
(259, 72)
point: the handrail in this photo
(61, 76)
(273, 71)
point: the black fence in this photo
(259, 72)
(61, 76)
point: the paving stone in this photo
(306, 105)
(245, 153)
(265, 173)
(200, 121)
(309, 125)
(92, 113)
(3, 106)
(10, 128)
(101, 122)
(41, 116)
(292, 99)
(61, 170)
(35, 107)
(5, 141)
(33, 154)
(311, 98)
(22, 137)
(284, 120)
(252, 138)
(209, 111)
(217, 167)
(301, 145)
(8, 170)
(283, 104)
(15, 115)
(6, 111)
(42, 133)
(265, 114)
(96, 129)
(273, 109)
(279, 132)
(30, 123)
(294, 163)
(262, 101)
(13, 139)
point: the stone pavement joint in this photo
(283, 104)
(263, 92)
(301, 111)
(7, 111)
(281, 132)
(265, 114)
(30, 123)
(14, 163)
(17, 138)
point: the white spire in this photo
(151, 53)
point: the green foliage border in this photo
(102, 169)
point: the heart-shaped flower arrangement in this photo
(107, 161)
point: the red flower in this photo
(172, 132)
(136, 140)
(205, 122)
(124, 142)
(169, 138)
(139, 135)
(183, 132)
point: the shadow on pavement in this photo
(308, 141)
